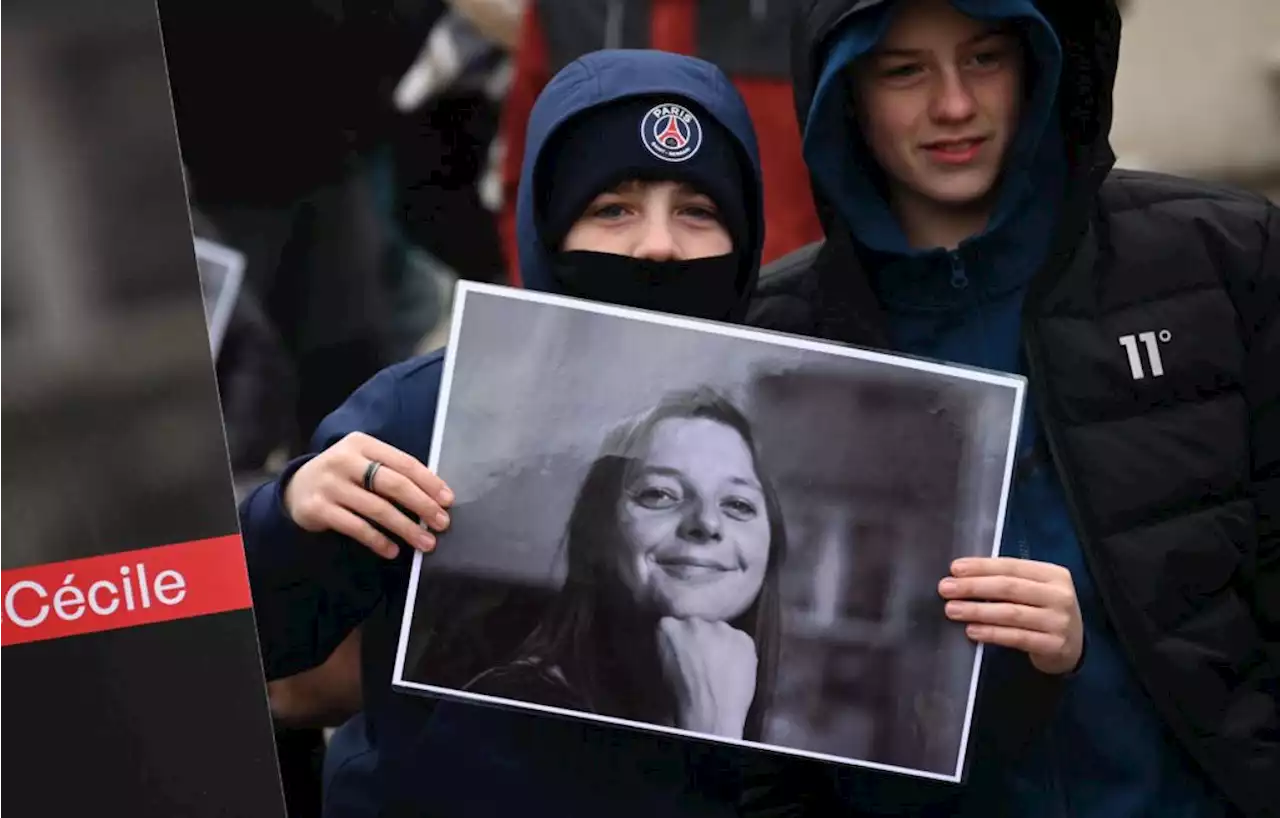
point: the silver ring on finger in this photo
(369, 473)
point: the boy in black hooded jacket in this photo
(960, 159)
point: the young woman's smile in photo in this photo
(694, 524)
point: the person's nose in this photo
(658, 241)
(701, 524)
(952, 100)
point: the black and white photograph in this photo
(708, 531)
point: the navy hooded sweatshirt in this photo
(1104, 753)
(406, 755)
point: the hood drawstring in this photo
(759, 10)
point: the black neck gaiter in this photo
(698, 288)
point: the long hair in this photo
(570, 636)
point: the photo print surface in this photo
(706, 530)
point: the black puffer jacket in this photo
(1173, 478)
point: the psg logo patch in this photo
(671, 132)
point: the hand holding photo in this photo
(360, 485)
(1019, 604)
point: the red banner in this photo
(123, 590)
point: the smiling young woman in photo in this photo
(669, 612)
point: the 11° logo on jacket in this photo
(671, 132)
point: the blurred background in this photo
(361, 157)
(1198, 92)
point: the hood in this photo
(1088, 39)
(606, 76)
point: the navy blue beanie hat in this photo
(662, 138)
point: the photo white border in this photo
(234, 262)
(1017, 383)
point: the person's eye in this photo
(901, 71)
(608, 211)
(700, 212)
(989, 59)
(740, 508)
(655, 497)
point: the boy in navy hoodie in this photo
(602, 215)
